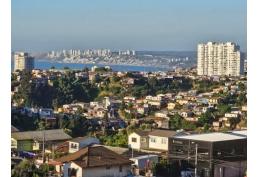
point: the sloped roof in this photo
(163, 133)
(94, 156)
(50, 135)
(141, 132)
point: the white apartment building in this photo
(22, 61)
(218, 59)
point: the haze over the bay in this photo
(135, 24)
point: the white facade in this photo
(137, 142)
(105, 171)
(157, 142)
(77, 145)
(22, 61)
(219, 59)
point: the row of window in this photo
(152, 139)
(73, 146)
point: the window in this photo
(72, 172)
(163, 141)
(120, 168)
(153, 140)
(134, 140)
(73, 146)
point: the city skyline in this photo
(167, 26)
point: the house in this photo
(78, 143)
(231, 115)
(159, 139)
(130, 81)
(182, 101)
(244, 108)
(93, 161)
(142, 109)
(83, 75)
(171, 106)
(129, 99)
(156, 101)
(162, 122)
(214, 100)
(216, 125)
(32, 140)
(212, 149)
(156, 104)
(141, 162)
(186, 113)
(100, 112)
(138, 140)
(162, 114)
(191, 119)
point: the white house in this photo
(159, 139)
(78, 143)
(138, 140)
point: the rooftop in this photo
(141, 132)
(79, 139)
(215, 137)
(94, 156)
(162, 133)
(144, 157)
(50, 135)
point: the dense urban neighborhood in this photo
(97, 122)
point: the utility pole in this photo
(43, 147)
(132, 152)
(196, 153)
(44, 139)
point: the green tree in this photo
(24, 94)
(206, 118)
(223, 108)
(175, 122)
(28, 168)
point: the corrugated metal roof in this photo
(94, 156)
(215, 137)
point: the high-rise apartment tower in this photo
(22, 61)
(219, 59)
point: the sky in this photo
(160, 25)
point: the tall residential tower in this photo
(219, 59)
(22, 61)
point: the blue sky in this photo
(43, 25)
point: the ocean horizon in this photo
(39, 64)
